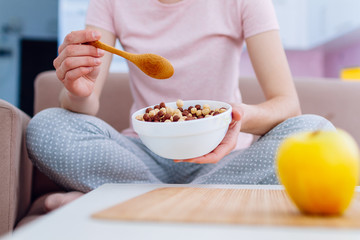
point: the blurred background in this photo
(321, 38)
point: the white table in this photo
(73, 221)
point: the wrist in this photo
(73, 97)
(247, 117)
(87, 105)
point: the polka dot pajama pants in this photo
(81, 152)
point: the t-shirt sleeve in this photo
(100, 14)
(258, 16)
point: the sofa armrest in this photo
(15, 167)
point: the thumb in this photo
(236, 115)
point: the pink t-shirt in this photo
(203, 39)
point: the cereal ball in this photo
(193, 110)
(168, 120)
(176, 118)
(162, 105)
(140, 117)
(222, 110)
(163, 110)
(170, 110)
(206, 111)
(146, 117)
(198, 113)
(179, 103)
(156, 107)
(197, 106)
(167, 116)
(148, 110)
(157, 118)
(152, 113)
(177, 112)
(185, 113)
(206, 106)
(160, 113)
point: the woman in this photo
(203, 40)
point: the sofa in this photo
(21, 185)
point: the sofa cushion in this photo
(115, 100)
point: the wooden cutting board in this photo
(224, 206)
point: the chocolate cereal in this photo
(163, 113)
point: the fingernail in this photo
(100, 52)
(97, 61)
(96, 34)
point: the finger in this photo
(78, 37)
(236, 115)
(78, 72)
(77, 51)
(80, 88)
(76, 62)
(224, 148)
(232, 132)
(211, 157)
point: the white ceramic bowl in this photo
(187, 139)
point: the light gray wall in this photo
(34, 19)
(37, 18)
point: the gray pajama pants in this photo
(81, 152)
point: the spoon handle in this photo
(111, 49)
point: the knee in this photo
(43, 129)
(46, 122)
(306, 122)
(310, 122)
(46, 119)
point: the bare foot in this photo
(47, 203)
(56, 200)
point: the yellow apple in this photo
(319, 170)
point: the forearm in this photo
(259, 119)
(273, 73)
(87, 105)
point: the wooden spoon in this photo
(152, 65)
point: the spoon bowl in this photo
(151, 64)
